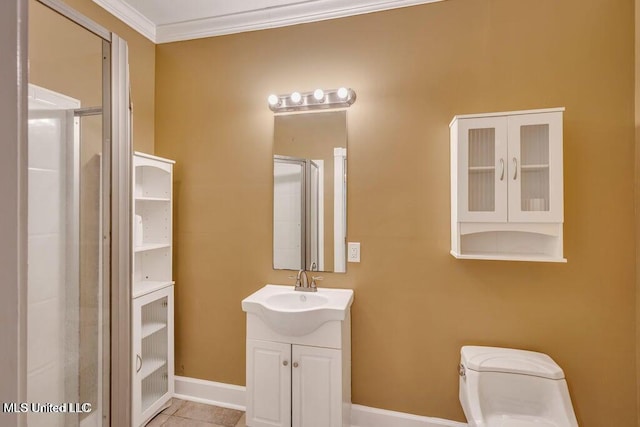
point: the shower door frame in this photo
(306, 227)
(117, 154)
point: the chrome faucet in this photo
(302, 282)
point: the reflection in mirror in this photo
(310, 191)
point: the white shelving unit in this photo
(507, 186)
(152, 287)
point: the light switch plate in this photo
(353, 252)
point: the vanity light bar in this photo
(317, 100)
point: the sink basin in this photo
(296, 313)
(296, 300)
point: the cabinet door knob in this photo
(501, 169)
(138, 359)
(515, 168)
(295, 364)
(285, 362)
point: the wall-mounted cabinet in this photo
(152, 287)
(507, 186)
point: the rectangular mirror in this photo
(310, 192)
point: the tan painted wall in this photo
(415, 305)
(637, 196)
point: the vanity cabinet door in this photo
(268, 384)
(482, 169)
(316, 387)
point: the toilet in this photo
(503, 387)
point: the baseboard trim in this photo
(233, 396)
(210, 392)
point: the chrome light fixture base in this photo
(308, 101)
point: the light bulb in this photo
(273, 100)
(296, 97)
(343, 93)
(318, 94)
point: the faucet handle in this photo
(314, 279)
(297, 279)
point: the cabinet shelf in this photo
(151, 365)
(152, 199)
(148, 286)
(481, 169)
(508, 257)
(151, 247)
(151, 328)
(149, 399)
(525, 168)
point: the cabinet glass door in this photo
(482, 173)
(534, 163)
(153, 354)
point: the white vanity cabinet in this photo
(293, 385)
(152, 323)
(298, 381)
(507, 186)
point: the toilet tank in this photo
(497, 384)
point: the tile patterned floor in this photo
(183, 413)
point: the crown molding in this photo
(298, 13)
(130, 16)
(273, 17)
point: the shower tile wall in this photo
(287, 214)
(46, 299)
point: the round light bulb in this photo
(296, 97)
(318, 94)
(273, 100)
(343, 93)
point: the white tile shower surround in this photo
(233, 396)
(286, 215)
(45, 361)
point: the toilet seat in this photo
(502, 387)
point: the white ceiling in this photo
(163, 21)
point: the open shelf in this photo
(151, 247)
(538, 242)
(152, 199)
(508, 257)
(147, 286)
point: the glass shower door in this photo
(67, 313)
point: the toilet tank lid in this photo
(508, 360)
